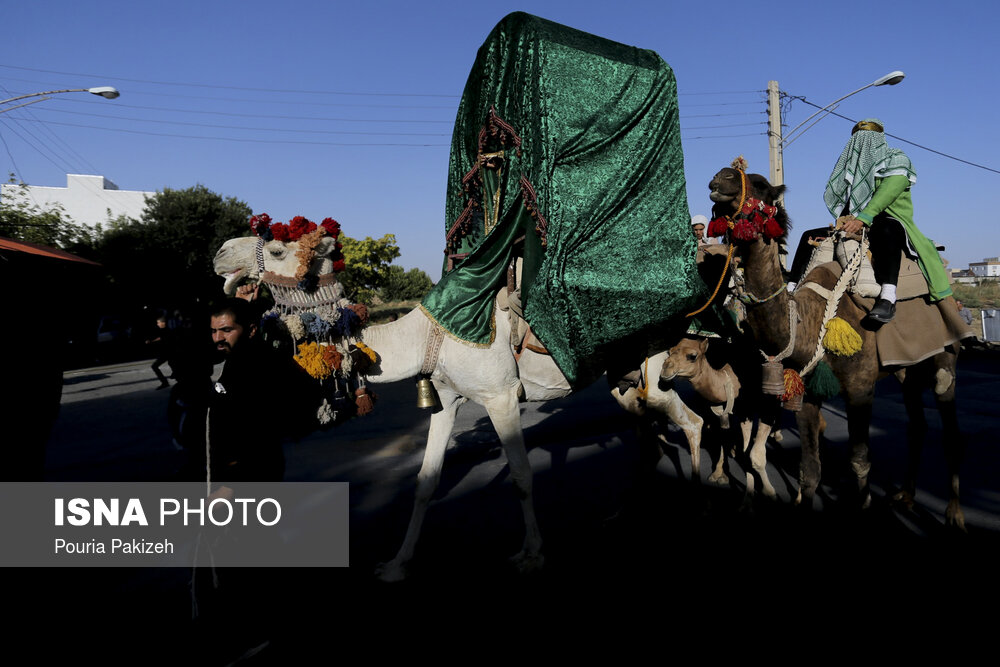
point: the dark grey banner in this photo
(286, 524)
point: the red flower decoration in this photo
(331, 226)
(745, 230)
(281, 232)
(772, 229)
(718, 227)
(299, 226)
(339, 266)
(258, 223)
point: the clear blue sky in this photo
(363, 135)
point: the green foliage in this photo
(166, 257)
(366, 265)
(401, 285)
(24, 220)
(984, 295)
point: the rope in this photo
(793, 316)
(729, 255)
(725, 272)
(834, 301)
(751, 300)
(643, 387)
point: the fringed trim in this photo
(530, 198)
(497, 128)
(493, 328)
(271, 278)
(289, 298)
(472, 183)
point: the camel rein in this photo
(729, 255)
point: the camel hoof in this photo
(391, 572)
(954, 517)
(904, 499)
(526, 563)
(719, 479)
(777, 436)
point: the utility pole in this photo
(774, 134)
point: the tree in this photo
(165, 258)
(25, 221)
(402, 285)
(367, 264)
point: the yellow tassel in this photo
(841, 338)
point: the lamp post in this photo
(778, 141)
(106, 92)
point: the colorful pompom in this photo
(821, 382)
(841, 338)
(793, 385)
(365, 401)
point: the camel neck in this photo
(762, 277)
(399, 345)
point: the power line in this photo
(950, 157)
(296, 103)
(225, 87)
(727, 136)
(253, 129)
(237, 139)
(57, 139)
(119, 105)
(730, 92)
(710, 127)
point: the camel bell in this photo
(426, 394)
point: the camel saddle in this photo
(508, 300)
(920, 329)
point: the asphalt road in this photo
(612, 528)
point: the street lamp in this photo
(106, 92)
(778, 141)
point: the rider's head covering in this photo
(865, 158)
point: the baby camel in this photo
(721, 389)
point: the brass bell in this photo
(427, 396)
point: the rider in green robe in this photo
(870, 184)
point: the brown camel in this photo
(768, 318)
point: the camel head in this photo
(684, 360)
(297, 251)
(761, 202)
(236, 261)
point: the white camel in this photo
(491, 376)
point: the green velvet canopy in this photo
(566, 151)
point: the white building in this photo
(988, 268)
(85, 199)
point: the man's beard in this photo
(221, 352)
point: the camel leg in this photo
(669, 402)
(859, 417)
(916, 430)
(758, 461)
(719, 475)
(746, 430)
(810, 469)
(442, 423)
(954, 443)
(505, 414)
